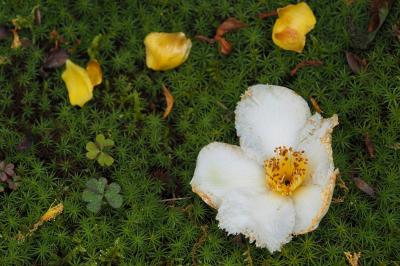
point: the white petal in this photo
(267, 117)
(266, 218)
(311, 203)
(315, 140)
(313, 198)
(222, 167)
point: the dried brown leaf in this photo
(364, 187)
(370, 145)
(315, 105)
(352, 258)
(55, 58)
(224, 46)
(355, 63)
(303, 64)
(377, 8)
(170, 101)
(265, 15)
(229, 25)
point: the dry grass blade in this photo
(303, 64)
(364, 187)
(204, 39)
(352, 258)
(170, 101)
(355, 63)
(315, 105)
(370, 145)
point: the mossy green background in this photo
(155, 158)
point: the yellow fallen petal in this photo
(79, 85)
(290, 29)
(94, 71)
(166, 50)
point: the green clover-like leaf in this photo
(96, 186)
(93, 150)
(114, 199)
(103, 142)
(90, 196)
(105, 160)
(94, 206)
(113, 188)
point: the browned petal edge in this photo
(247, 94)
(327, 193)
(205, 197)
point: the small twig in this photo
(175, 199)
(302, 64)
(205, 39)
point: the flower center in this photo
(286, 171)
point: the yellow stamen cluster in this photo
(286, 171)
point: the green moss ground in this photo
(155, 157)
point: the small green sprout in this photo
(98, 193)
(8, 177)
(96, 150)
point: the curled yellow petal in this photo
(166, 50)
(290, 29)
(94, 71)
(79, 84)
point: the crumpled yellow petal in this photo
(290, 29)
(166, 50)
(94, 71)
(79, 85)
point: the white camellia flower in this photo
(280, 181)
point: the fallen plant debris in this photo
(25, 144)
(395, 146)
(55, 58)
(302, 64)
(352, 258)
(356, 64)
(170, 101)
(343, 187)
(315, 105)
(248, 258)
(396, 31)
(8, 177)
(16, 43)
(379, 10)
(37, 15)
(200, 241)
(228, 25)
(265, 15)
(364, 187)
(49, 215)
(370, 145)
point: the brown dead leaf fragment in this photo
(315, 105)
(229, 25)
(170, 101)
(352, 258)
(303, 64)
(355, 63)
(370, 145)
(364, 187)
(55, 58)
(265, 15)
(378, 13)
